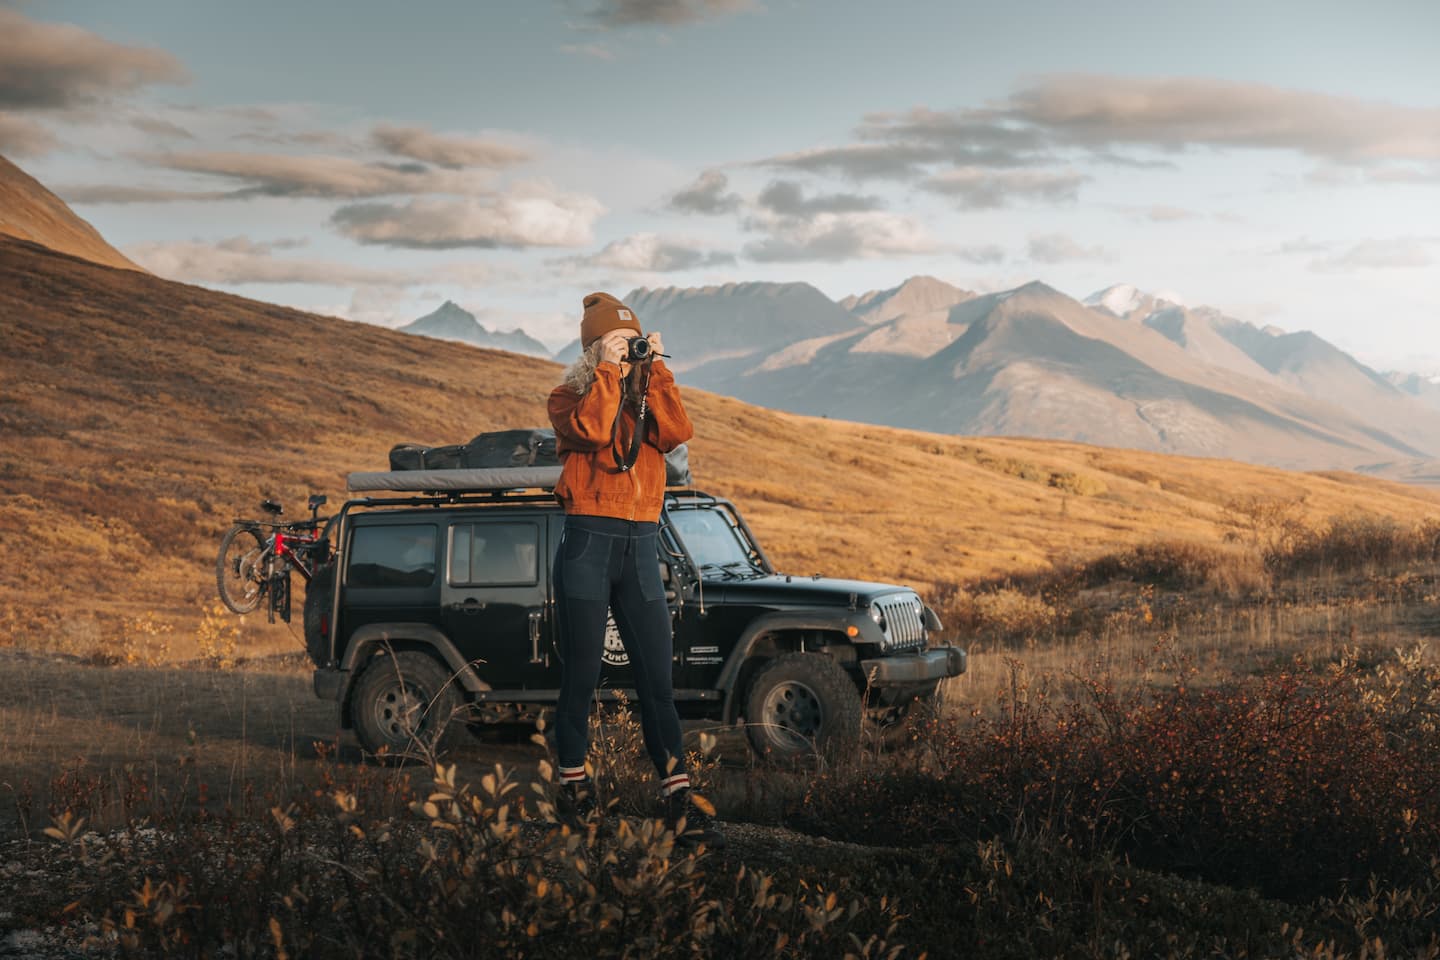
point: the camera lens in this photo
(639, 348)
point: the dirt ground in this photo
(72, 732)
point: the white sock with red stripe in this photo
(573, 776)
(674, 782)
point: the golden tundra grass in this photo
(140, 416)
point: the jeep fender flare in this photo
(826, 619)
(370, 638)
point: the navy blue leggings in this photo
(609, 564)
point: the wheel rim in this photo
(247, 578)
(399, 711)
(792, 714)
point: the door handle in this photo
(468, 605)
(535, 618)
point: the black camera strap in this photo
(624, 461)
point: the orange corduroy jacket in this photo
(590, 482)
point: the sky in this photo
(1279, 161)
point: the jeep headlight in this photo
(878, 616)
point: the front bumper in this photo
(937, 663)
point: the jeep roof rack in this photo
(476, 480)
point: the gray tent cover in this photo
(677, 474)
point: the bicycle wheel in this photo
(240, 569)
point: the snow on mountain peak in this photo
(1120, 299)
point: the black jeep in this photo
(442, 610)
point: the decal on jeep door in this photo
(614, 653)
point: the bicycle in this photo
(253, 566)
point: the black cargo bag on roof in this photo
(512, 448)
(417, 456)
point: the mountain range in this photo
(450, 321)
(1123, 368)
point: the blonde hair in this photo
(582, 372)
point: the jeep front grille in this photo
(904, 621)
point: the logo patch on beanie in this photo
(626, 315)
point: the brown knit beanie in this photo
(604, 313)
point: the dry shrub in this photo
(621, 768)
(1357, 542)
(471, 871)
(1004, 614)
(145, 640)
(1080, 484)
(1302, 782)
(1181, 565)
(218, 636)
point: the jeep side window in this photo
(494, 554)
(393, 556)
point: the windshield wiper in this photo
(732, 568)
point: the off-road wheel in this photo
(800, 705)
(403, 704)
(241, 570)
(319, 601)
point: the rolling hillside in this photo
(28, 211)
(140, 416)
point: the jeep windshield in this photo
(714, 542)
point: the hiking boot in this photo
(699, 827)
(576, 804)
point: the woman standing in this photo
(615, 416)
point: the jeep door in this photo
(495, 595)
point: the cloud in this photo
(1059, 248)
(320, 139)
(56, 65)
(284, 175)
(964, 138)
(788, 199)
(118, 193)
(706, 195)
(862, 161)
(1177, 112)
(161, 128)
(650, 253)
(533, 215)
(445, 151)
(672, 13)
(988, 253)
(1124, 121)
(978, 189)
(1155, 213)
(836, 237)
(1397, 253)
(239, 260)
(23, 137)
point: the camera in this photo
(638, 350)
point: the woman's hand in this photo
(656, 347)
(614, 348)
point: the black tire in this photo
(404, 704)
(319, 601)
(801, 704)
(240, 569)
